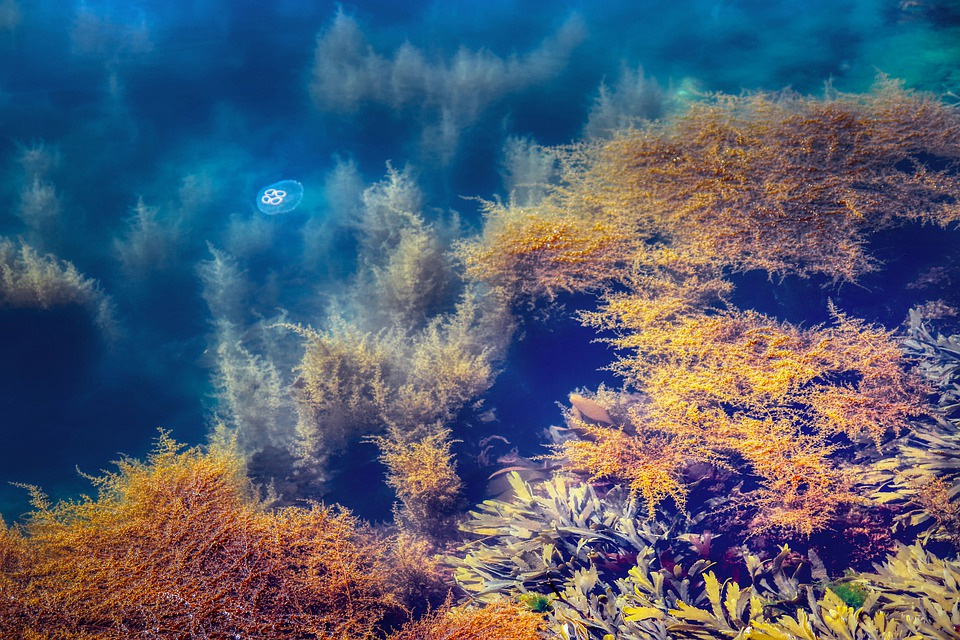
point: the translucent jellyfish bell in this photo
(280, 197)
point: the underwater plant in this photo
(423, 474)
(779, 182)
(526, 170)
(181, 545)
(251, 395)
(224, 287)
(447, 96)
(501, 620)
(29, 279)
(921, 477)
(601, 573)
(352, 384)
(404, 277)
(418, 578)
(40, 208)
(337, 392)
(634, 96)
(536, 602)
(920, 590)
(650, 466)
(913, 595)
(853, 594)
(769, 415)
(403, 346)
(562, 541)
(938, 358)
(748, 394)
(149, 242)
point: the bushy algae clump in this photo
(32, 279)
(776, 181)
(182, 543)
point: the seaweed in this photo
(921, 478)
(182, 543)
(748, 394)
(775, 181)
(423, 474)
(562, 541)
(34, 280)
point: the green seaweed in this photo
(853, 594)
(536, 602)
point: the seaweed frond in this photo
(921, 479)
(181, 542)
(423, 474)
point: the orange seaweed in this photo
(739, 388)
(179, 546)
(501, 620)
(774, 181)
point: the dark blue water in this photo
(195, 106)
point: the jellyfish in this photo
(280, 197)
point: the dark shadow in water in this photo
(548, 361)
(65, 405)
(47, 359)
(358, 482)
(915, 263)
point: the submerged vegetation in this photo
(774, 181)
(753, 478)
(181, 545)
(607, 573)
(746, 394)
(32, 280)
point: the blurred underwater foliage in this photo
(400, 352)
(29, 279)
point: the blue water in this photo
(195, 106)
